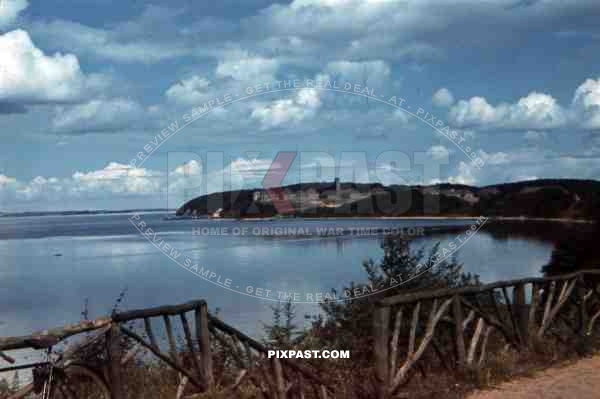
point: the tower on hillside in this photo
(337, 185)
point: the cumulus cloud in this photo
(10, 10)
(97, 116)
(114, 178)
(241, 66)
(396, 30)
(29, 76)
(464, 174)
(442, 98)
(438, 153)
(535, 111)
(125, 43)
(290, 110)
(188, 91)
(6, 180)
(122, 181)
(586, 104)
(495, 158)
(368, 73)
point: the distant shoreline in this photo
(490, 218)
(82, 213)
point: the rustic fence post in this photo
(533, 308)
(203, 337)
(279, 379)
(522, 313)
(461, 352)
(381, 323)
(583, 345)
(114, 361)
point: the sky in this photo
(85, 87)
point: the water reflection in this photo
(40, 290)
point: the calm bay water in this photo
(52, 264)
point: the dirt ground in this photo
(579, 380)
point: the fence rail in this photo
(520, 313)
(201, 332)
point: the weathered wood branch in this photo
(171, 338)
(564, 295)
(381, 325)
(490, 321)
(591, 323)
(7, 358)
(486, 336)
(131, 354)
(115, 372)
(257, 346)
(434, 318)
(471, 290)
(161, 356)
(394, 343)
(183, 381)
(511, 314)
(475, 341)
(190, 343)
(532, 324)
(47, 338)
(413, 328)
(548, 305)
(470, 317)
(203, 337)
(170, 310)
(459, 340)
(149, 332)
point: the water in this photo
(52, 264)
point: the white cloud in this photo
(442, 98)
(98, 116)
(6, 180)
(464, 175)
(586, 104)
(108, 44)
(290, 110)
(438, 153)
(9, 11)
(366, 73)
(241, 66)
(535, 111)
(251, 170)
(114, 178)
(30, 76)
(117, 178)
(189, 91)
(397, 29)
(495, 158)
(534, 135)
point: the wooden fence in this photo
(457, 326)
(248, 366)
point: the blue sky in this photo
(84, 86)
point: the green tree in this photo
(282, 331)
(348, 324)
